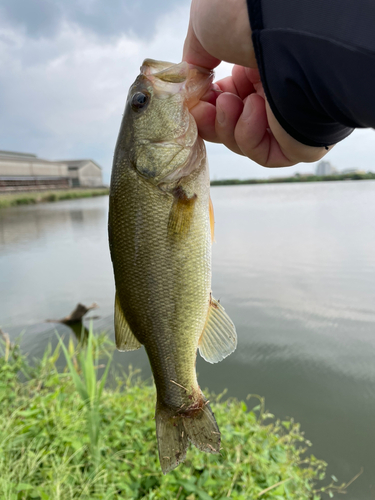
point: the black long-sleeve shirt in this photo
(317, 64)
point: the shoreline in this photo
(355, 176)
(34, 197)
(102, 437)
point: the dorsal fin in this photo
(219, 338)
(125, 339)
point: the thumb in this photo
(194, 53)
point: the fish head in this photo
(160, 135)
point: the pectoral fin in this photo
(181, 214)
(125, 339)
(219, 338)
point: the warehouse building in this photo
(26, 172)
(84, 173)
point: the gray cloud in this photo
(45, 18)
(37, 17)
(62, 91)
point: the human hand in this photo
(235, 112)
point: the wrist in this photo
(294, 150)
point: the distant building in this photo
(351, 171)
(84, 173)
(24, 171)
(325, 168)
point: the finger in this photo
(204, 114)
(253, 76)
(228, 110)
(212, 94)
(227, 85)
(254, 138)
(243, 84)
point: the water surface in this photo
(294, 266)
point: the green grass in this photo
(354, 176)
(67, 436)
(31, 198)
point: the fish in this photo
(161, 227)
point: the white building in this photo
(325, 168)
(84, 173)
(24, 171)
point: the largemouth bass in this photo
(160, 232)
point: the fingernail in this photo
(216, 88)
(247, 109)
(220, 115)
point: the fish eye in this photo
(140, 100)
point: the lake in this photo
(293, 265)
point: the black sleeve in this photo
(317, 64)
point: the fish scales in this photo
(160, 240)
(169, 284)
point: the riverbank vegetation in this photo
(33, 197)
(353, 176)
(68, 435)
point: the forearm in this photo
(316, 60)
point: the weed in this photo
(66, 436)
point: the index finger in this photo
(241, 82)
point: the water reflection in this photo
(53, 256)
(80, 331)
(28, 224)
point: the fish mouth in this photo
(183, 78)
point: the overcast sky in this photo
(65, 69)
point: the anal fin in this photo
(125, 339)
(219, 337)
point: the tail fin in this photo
(175, 430)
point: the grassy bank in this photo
(65, 436)
(31, 198)
(355, 176)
